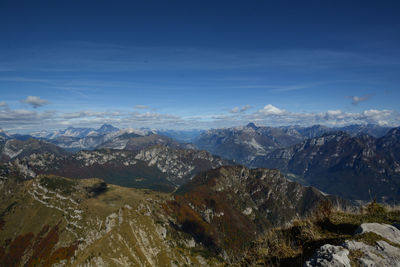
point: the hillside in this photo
(157, 167)
(14, 148)
(51, 220)
(243, 144)
(229, 206)
(360, 167)
(228, 216)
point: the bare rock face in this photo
(330, 256)
(389, 232)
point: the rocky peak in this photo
(252, 126)
(3, 135)
(107, 128)
(393, 133)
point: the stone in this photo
(381, 254)
(329, 256)
(387, 231)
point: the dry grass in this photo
(294, 244)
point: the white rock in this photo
(382, 254)
(387, 231)
(330, 256)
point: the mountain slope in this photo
(134, 142)
(359, 167)
(370, 129)
(244, 143)
(306, 132)
(16, 148)
(53, 220)
(158, 167)
(229, 206)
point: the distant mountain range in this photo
(217, 140)
(76, 132)
(356, 162)
(243, 144)
(155, 167)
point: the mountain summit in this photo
(107, 128)
(252, 125)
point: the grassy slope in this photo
(120, 226)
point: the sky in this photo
(198, 64)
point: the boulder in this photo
(387, 231)
(381, 254)
(329, 256)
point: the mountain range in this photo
(155, 167)
(351, 162)
(363, 156)
(178, 204)
(243, 144)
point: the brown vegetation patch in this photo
(228, 229)
(39, 250)
(14, 252)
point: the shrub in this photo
(375, 208)
(324, 210)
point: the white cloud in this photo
(141, 107)
(35, 101)
(246, 107)
(358, 99)
(235, 110)
(271, 110)
(84, 114)
(3, 104)
(22, 120)
(242, 109)
(271, 115)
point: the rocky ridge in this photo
(13, 148)
(156, 167)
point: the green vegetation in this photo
(370, 238)
(62, 185)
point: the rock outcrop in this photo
(330, 256)
(389, 232)
(376, 245)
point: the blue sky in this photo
(198, 64)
